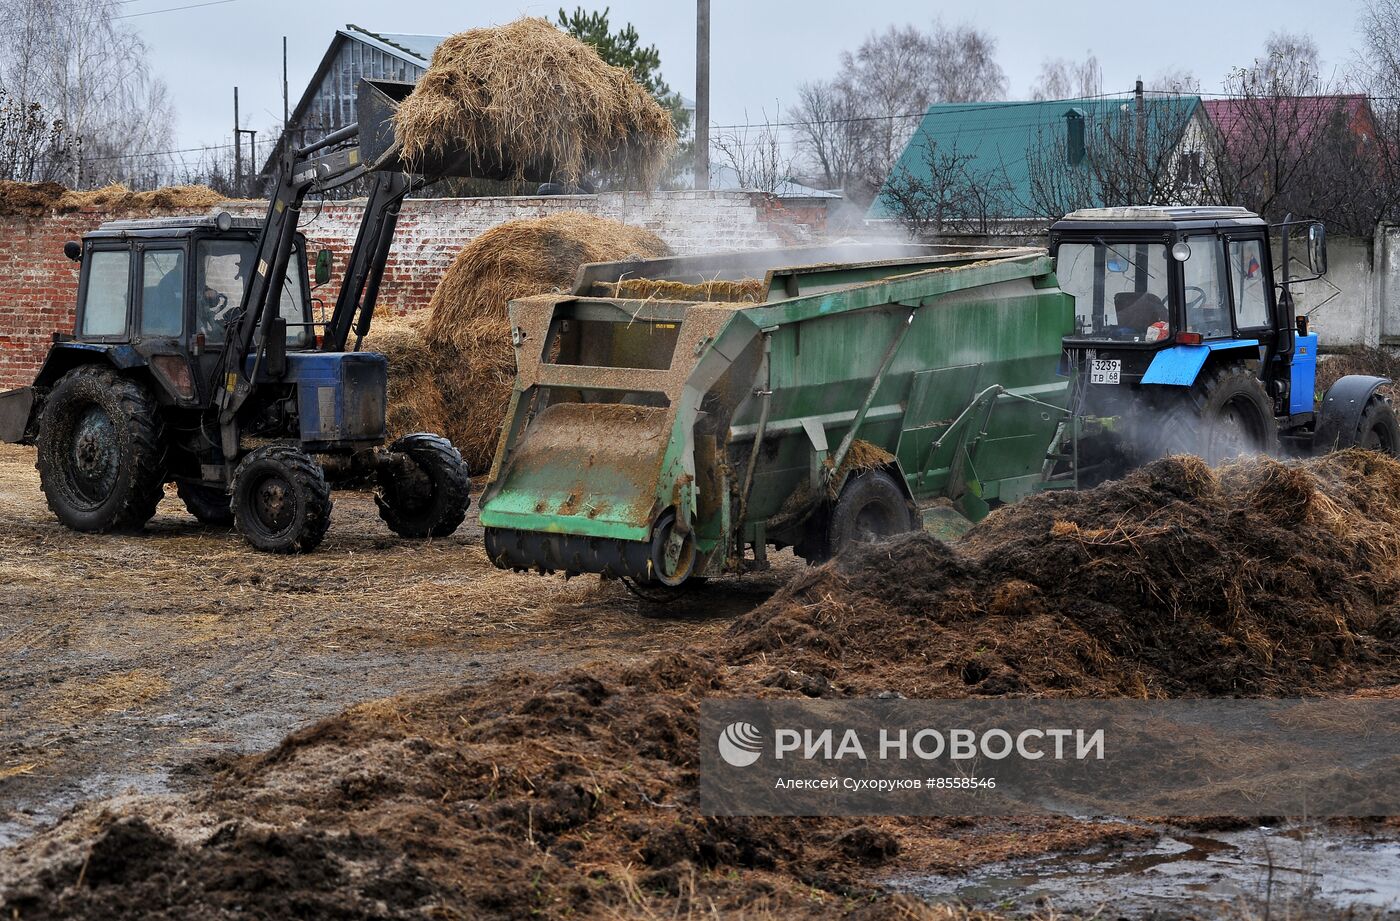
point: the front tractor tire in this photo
(1378, 430)
(1225, 414)
(871, 507)
(101, 451)
(210, 504)
(425, 492)
(281, 503)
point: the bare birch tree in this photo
(1061, 78)
(854, 128)
(76, 60)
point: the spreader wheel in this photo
(672, 553)
(871, 507)
(281, 502)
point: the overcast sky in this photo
(761, 50)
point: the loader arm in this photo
(313, 169)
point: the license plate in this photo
(1105, 371)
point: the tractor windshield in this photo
(1119, 289)
(223, 267)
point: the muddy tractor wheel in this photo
(281, 502)
(1224, 415)
(210, 504)
(871, 507)
(101, 451)
(427, 495)
(1378, 429)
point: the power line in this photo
(174, 9)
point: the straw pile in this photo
(534, 102)
(744, 291)
(21, 198)
(452, 370)
(415, 401)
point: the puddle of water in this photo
(1305, 870)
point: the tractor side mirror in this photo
(323, 266)
(1317, 247)
(73, 250)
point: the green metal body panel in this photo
(946, 361)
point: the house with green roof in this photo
(997, 166)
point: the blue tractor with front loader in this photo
(195, 358)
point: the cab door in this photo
(162, 271)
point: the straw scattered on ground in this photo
(525, 100)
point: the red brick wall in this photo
(38, 285)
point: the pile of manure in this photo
(1256, 578)
(574, 795)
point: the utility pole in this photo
(285, 109)
(702, 94)
(238, 187)
(237, 148)
(1140, 110)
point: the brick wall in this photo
(38, 285)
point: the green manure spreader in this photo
(674, 418)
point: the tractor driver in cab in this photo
(222, 281)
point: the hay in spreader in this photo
(451, 371)
(527, 101)
(744, 291)
(575, 795)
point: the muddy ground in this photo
(570, 793)
(127, 662)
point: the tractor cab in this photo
(164, 292)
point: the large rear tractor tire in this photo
(101, 451)
(210, 504)
(281, 502)
(1226, 414)
(1378, 429)
(871, 507)
(428, 494)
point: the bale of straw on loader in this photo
(525, 100)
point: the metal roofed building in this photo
(328, 101)
(1002, 139)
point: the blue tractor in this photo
(196, 358)
(1185, 340)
